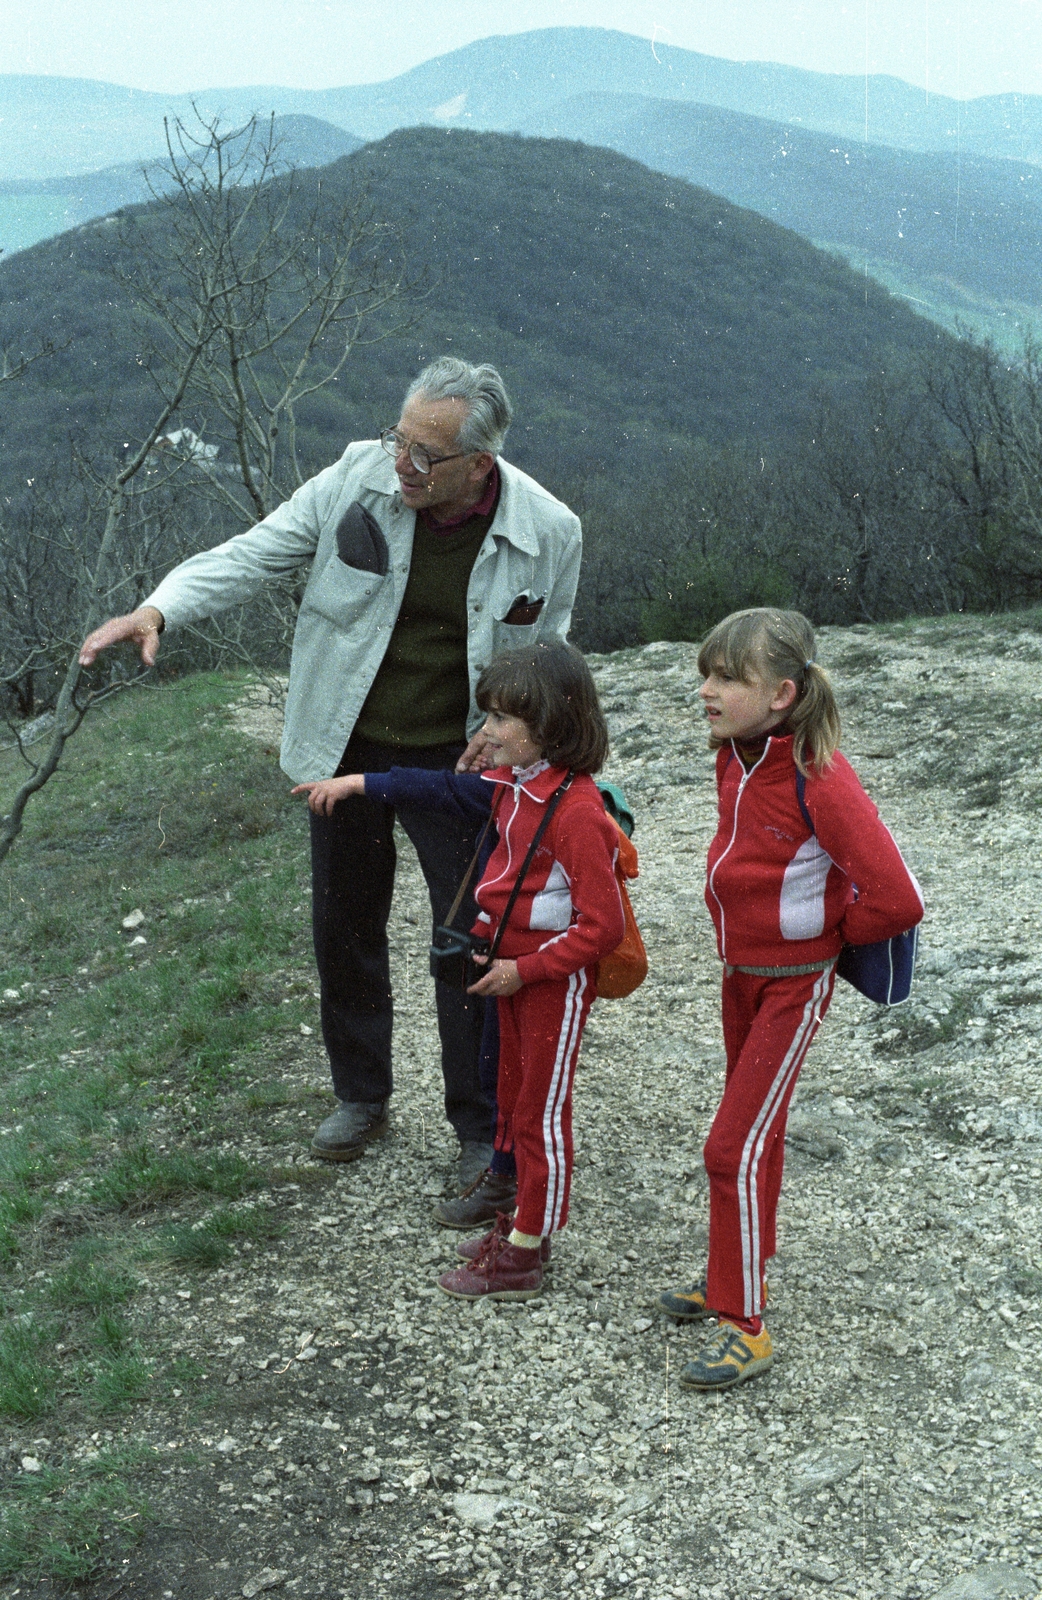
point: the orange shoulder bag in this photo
(625, 969)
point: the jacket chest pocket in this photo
(521, 622)
(341, 593)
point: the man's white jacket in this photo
(347, 615)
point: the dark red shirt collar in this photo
(482, 509)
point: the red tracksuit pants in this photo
(768, 1027)
(540, 1028)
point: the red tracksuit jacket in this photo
(569, 912)
(780, 895)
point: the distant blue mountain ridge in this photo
(37, 208)
(300, 141)
(50, 127)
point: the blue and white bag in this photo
(882, 972)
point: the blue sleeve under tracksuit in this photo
(462, 794)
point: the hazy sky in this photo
(958, 47)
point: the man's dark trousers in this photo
(352, 878)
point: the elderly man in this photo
(428, 554)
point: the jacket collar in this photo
(777, 751)
(513, 519)
(539, 787)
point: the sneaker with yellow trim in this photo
(729, 1357)
(689, 1305)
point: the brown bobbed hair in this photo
(767, 646)
(550, 687)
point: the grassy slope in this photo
(1006, 324)
(123, 1067)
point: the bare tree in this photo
(102, 578)
(297, 273)
(252, 289)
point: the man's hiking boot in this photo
(474, 1158)
(689, 1305)
(490, 1193)
(501, 1271)
(729, 1357)
(353, 1125)
(472, 1248)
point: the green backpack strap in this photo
(617, 807)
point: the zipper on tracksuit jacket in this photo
(747, 773)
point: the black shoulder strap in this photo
(461, 891)
(551, 807)
(801, 790)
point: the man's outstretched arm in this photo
(142, 627)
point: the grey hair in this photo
(488, 405)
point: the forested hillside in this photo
(738, 417)
(934, 198)
(631, 312)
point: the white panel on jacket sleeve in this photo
(802, 909)
(552, 905)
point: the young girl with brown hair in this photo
(547, 735)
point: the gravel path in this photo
(370, 1437)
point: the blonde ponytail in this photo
(814, 720)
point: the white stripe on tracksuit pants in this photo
(769, 1024)
(540, 1030)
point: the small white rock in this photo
(995, 1580)
(134, 918)
(30, 1464)
(477, 1510)
(227, 1445)
(305, 1030)
(820, 1469)
(267, 1578)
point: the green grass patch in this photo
(91, 1285)
(16, 1209)
(110, 1331)
(28, 1378)
(140, 1178)
(126, 1067)
(911, 1031)
(60, 1523)
(210, 1241)
(117, 1379)
(271, 1096)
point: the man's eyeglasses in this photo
(420, 457)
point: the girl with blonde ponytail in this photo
(801, 865)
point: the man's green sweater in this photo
(421, 693)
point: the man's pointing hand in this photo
(143, 626)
